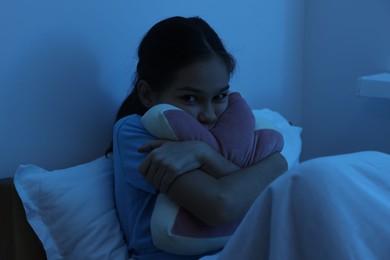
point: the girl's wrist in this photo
(204, 153)
(214, 164)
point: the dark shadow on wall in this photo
(56, 113)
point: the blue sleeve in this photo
(129, 135)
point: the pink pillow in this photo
(235, 135)
(238, 136)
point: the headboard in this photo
(17, 240)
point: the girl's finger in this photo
(158, 176)
(166, 182)
(151, 172)
(144, 166)
(150, 145)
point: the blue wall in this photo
(344, 40)
(66, 66)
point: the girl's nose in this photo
(208, 117)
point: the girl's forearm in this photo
(217, 166)
(239, 189)
(218, 201)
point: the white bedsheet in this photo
(335, 207)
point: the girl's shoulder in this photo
(130, 128)
(130, 123)
(133, 119)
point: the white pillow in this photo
(292, 135)
(72, 210)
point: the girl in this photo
(182, 62)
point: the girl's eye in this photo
(220, 97)
(188, 98)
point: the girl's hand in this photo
(168, 159)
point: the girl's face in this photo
(201, 89)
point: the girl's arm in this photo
(222, 201)
(212, 188)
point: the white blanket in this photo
(335, 207)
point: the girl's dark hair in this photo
(167, 47)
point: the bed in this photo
(364, 173)
(49, 214)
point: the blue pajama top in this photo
(134, 196)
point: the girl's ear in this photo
(146, 94)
